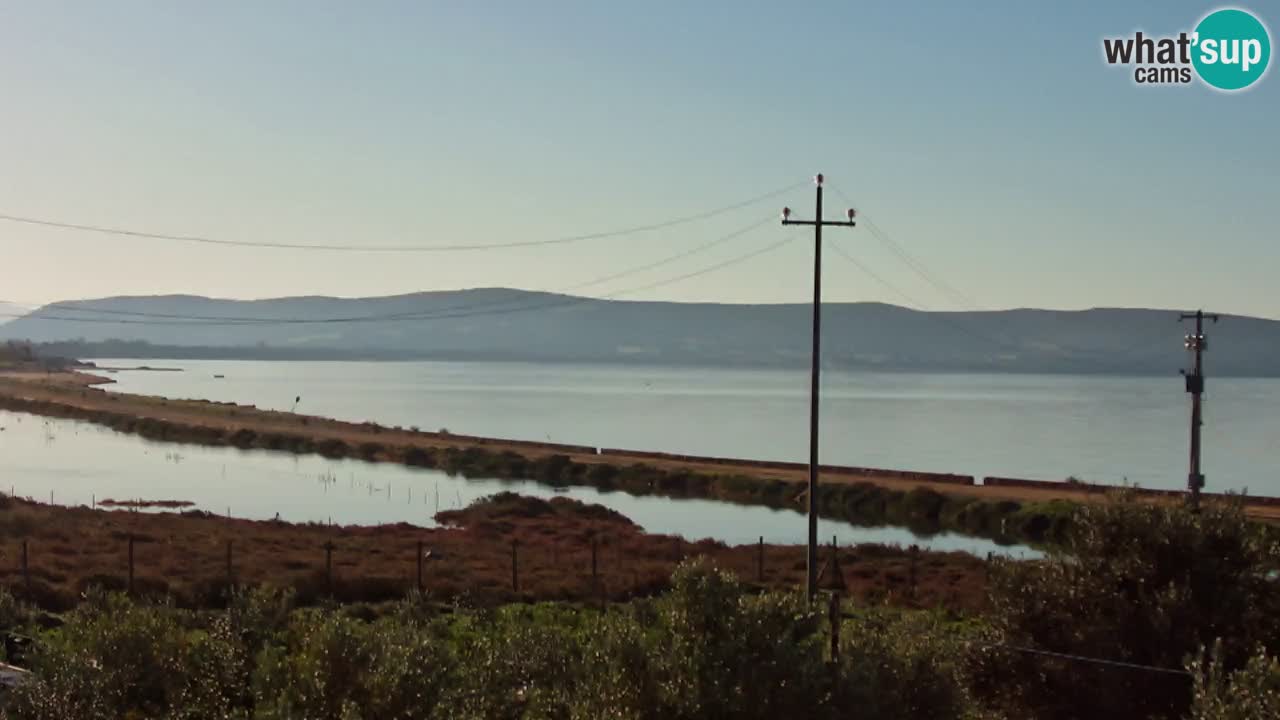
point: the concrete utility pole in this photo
(811, 565)
(1196, 343)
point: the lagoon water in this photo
(78, 463)
(1105, 429)
(1101, 429)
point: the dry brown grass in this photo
(183, 556)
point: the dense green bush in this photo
(908, 665)
(708, 649)
(330, 665)
(114, 657)
(717, 652)
(1250, 693)
(1140, 583)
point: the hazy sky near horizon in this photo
(989, 139)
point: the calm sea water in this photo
(74, 463)
(1102, 429)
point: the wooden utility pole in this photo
(1197, 344)
(811, 564)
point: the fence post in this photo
(595, 577)
(915, 554)
(419, 566)
(26, 570)
(328, 567)
(130, 563)
(834, 613)
(231, 580)
(515, 566)
(760, 561)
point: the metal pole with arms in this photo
(811, 564)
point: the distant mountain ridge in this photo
(506, 324)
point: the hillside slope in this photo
(515, 324)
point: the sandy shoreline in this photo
(70, 394)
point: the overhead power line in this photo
(942, 318)
(920, 269)
(672, 258)
(916, 265)
(381, 317)
(200, 239)
(1091, 660)
(1145, 347)
(414, 314)
(704, 271)
(913, 303)
(438, 314)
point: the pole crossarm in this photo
(824, 223)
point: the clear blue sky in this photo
(988, 138)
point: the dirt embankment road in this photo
(77, 391)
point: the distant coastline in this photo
(91, 351)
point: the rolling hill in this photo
(505, 324)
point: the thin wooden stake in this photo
(131, 563)
(26, 570)
(834, 612)
(328, 567)
(595, 575)
(760, 561)
(419, 566)
(515, 566)
(915, 556)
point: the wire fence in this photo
(199, 559)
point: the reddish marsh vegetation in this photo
(184, 556)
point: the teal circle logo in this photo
(1231, 49)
